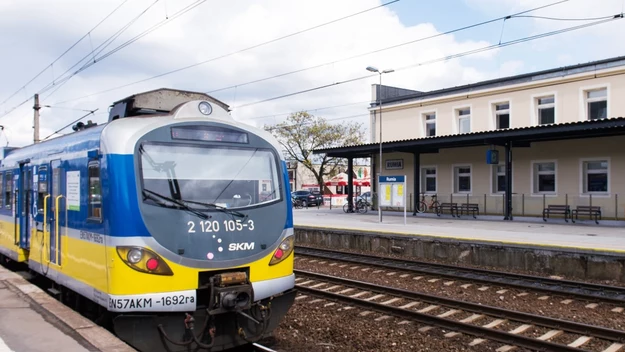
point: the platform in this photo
(607, 237)
(33, 321)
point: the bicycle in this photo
(297, 203)
(424, 207)
(360, 206)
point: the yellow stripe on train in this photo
(101, 268)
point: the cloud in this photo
(217, 28)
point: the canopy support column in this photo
(350, 184)
(508, 207)
(416, 157)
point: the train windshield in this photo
(225, 177)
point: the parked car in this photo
(309, 198)
(365, 196)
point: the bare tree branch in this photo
(301, 133)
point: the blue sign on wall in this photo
(391, 179)
(492, 157)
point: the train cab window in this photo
(95, 191)
(8, 191)
(42, 187)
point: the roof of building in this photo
(521, 136)
(505, 81)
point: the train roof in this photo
(158, 101)
(86, 139)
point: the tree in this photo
(301, 133)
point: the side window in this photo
(1, 189)
(95, 191)
(8, 191)
(43, 187)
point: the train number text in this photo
(216, 226)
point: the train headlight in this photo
(144, 260)
(134, 256)
(283, 251)
(205, 108)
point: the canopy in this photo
(341, 180)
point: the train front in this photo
(215, 269)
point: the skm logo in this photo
(243, 246)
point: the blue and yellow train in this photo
(172, 222)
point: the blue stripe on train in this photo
(119, 195)
(287, 194)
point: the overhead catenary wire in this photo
(64, 108)
(93, 54)
(387, 48)
(65, 52)
(315, 109)
(232, 53)
(91, 112)
(315, 66)
(132, 40)
(445, 58)
(59, 83)
(87, 56)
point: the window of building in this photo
(595, 176)
(430, 124)
(95, 191)
(428, 180)
(464, 120)
(502, 115)
(597, 104)
(544, 177)
(499, 178)
(546, 110)
(462, 179)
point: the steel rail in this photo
(262, 348)
(568, 326)
(584, 290)
(466, 328)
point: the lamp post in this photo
(379, 98)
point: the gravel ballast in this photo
(317, 327)
(527, 301)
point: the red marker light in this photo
(278, 253)
(152, 264)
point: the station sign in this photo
(392, 192)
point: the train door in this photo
(57, 211)
(24, 190)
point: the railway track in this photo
(484, 322)
(40, 282)
(582, 290)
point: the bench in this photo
(586, 209)
(470, 207)
(447, 206)
(557, 209)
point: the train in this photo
(171, 223)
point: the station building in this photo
(559, 135)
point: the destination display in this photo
(213, 134)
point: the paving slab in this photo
(31, 320)
(521, 232)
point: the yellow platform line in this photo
(463, 239)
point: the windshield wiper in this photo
(158, 198)
(168, 168)
(219, 207)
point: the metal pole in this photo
(36, 119)
(380, 172)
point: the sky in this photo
(223, 42)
